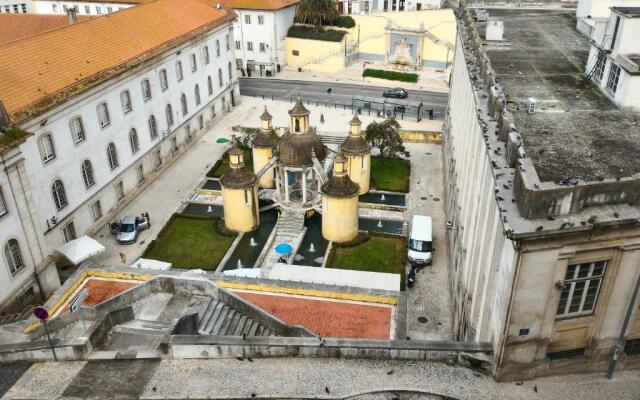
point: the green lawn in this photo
(390, 174)
(190, 243)
(223, 167)
(378, 254)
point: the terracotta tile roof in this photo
(38, 72)
(19, 26)
(258, 4)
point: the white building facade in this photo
(349, 7)
(93, 152)
(16, 6)
(614, 58)
(593, 15)
(82, 7)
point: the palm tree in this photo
(317, 12)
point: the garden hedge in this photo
(307, 32)
(391, 75)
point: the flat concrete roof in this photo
(576, 132)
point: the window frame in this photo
(205, 54)
(13, 256)
(210, 85)
(134, 141)
(220, 78)
(574, 279)
(59, 194)
(88, 176)
(69, 232)
(96, 205)
(613, 81)
(146, 90)
(104, 119)
(125, 100)
(118, 188)
(4, 210)
(194, 62)
(196, 93)
(184, 107)
(153, 126)
(164, 82)
(168, 111)
(112, 156)
(77, 136)
(179, 71)
(260, 19)
(48, 152)
(247, 19)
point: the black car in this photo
(398, 93)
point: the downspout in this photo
(623, 329)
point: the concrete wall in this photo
(84, 7)
(316, 55)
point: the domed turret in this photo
(296, 147)
(263, 146)
(340, 204)
(239, 194)
(358, 153)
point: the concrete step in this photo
(214, 317)
(232, 325)
(247, 327)
(211, 306)
(220, 320)
(239, 326)
(254, 328)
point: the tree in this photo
(385, 137)
(317, 12)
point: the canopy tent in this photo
(80, 249)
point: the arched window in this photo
(59, 195)
(103, 115)
(179, 70)
(87, 174)
(125, 99)
(217, 47)
(220, 77)
(197, 94)
(183, 104)
(230, 71)
(77, 130)
(205, 54)
(164, 83)
(146, 89)
(133, 140)
(169, 113)
(210, 85)
(112, 156)
(13, 256)
(47, 150)
(153, 127)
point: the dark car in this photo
(398, 93)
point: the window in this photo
(205, 54)
(13, 256)
(263, 47)
(581, 287)
(197, 95)
(230, 68)
(69, 232)
(59, 195)
(220, 77)
(260, 19)
(164, 83)
(179, 71)
(250, 46)
(96, 210)
(210, 85)
(226, 42)
(47, 151)
(53, 7)
(200, 122)
(183, 104)
(119, 189)
(157, 159)
(146, 90)
(295, 53)
(3, 205)
(153, 127)
(614, 77)
(247, 19)
(187, 133)
(125, 99)
(174, 145)
(217, 48)
(194, 66)
(98, 10)
(87, 9)
(103, 115)
(133, 141)
(598, 70)
(140, 174)
(109, 9)
(77, 130)
(237, 45)
(87, 174)
(169, 114)
(213, 111)
(112, 156)
(24, 8)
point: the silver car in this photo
(127, 229)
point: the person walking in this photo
(431, 114)
(322, 118)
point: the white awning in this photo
(80, 249)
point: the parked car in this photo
(128, 228)
(398, 93)
(481, 15)
(420, 252)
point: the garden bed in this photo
(222, 165)
(307, 32)
(390, 75)
(391, 174)
(191, 242)
(373, 252)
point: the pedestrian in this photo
(322, 118)
(431, 113)
(123, 258)
(411, 277)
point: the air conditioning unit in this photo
(531, 105)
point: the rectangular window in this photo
(3, 206)
(179, 71)
(295, 53)
(119, 188)
(69, 232)
(174, 145)
(103, 115)
(54, 7)
(87, 9)
(598, 70)
(98, 10)
(24, 8)
(187, 133)
(247, 19)
(237, 45)
(125, 98)
(77, 130)
(581, 288)
(164, 83)
(46, 148)
(157, 159)
(194, 66)
(226, 41)
(632, 348)
(200, 122)
(140, 174)
(250, 46)
(614, 77)
(96, 211)
(146, 90)
(260, 19)
(217, 48)
(15, 8)
(263, 47)
(109, 9)
(205, 54)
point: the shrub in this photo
(344, 21)
(391, 75)
(307, 32)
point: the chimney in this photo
(72, 15)
(4, 117)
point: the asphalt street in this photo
(341, 93)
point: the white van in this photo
(420, 241)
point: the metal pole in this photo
(623, 330)
(55, 358)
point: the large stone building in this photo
(92, 113)
(543, 201)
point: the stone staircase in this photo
(220, 319)
(289, 229)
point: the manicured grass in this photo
(222, 167)
(390, 174)
(377, 254)
(390, 75)
(190, 243)
(307, 32)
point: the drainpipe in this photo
(618, 349)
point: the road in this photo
(341, 93)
